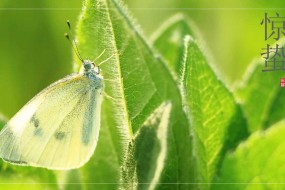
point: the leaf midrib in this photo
(127, 118)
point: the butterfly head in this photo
(89, 67)
(92, 72)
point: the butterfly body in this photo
(59, 127)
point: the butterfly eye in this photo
(87, 66)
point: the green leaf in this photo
(276, 112)
(137, 82)
(228, 125)
(147, 152)
(168, 39)
(256, 164)
(260, 95)
(217, 122)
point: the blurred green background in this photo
(34, 53)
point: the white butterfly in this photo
(59, 127)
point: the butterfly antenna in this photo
(106, 60)
(99, 56)
(70, 38)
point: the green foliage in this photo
(168, 120)
(138, 82)
(211, 110)
(168, 39)
(147, 152)
(206, 100)
(261, 157)
(261, 96)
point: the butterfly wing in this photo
(58, 128)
